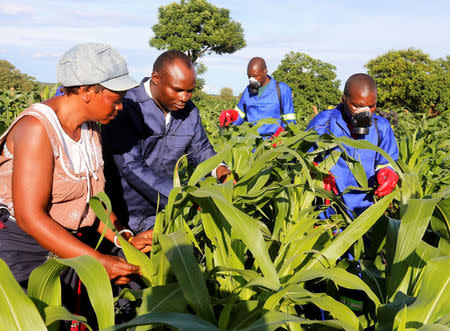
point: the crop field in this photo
(256, 255)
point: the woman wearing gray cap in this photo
(51, 164)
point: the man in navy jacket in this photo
(264, 97)
(159, 124)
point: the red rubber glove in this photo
(228, 116)
(329, 184)
(387, 179)
(279, 130)
(276, 134)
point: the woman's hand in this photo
(119, 270)
(143, 241)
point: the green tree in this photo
(197, 27)
(312, 81)
(226, 92)
(411, 79)
(10, 77)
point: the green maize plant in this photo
(256, 256)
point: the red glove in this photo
(387, 179)
(228, 116)
(329, 184)
(279, 130)
(276, 134)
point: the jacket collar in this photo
(140, 93)
(338, 123)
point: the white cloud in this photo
(9, 8)
(44, 55)
(346, 34)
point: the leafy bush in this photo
(13, 102)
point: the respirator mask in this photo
(360, 119)
(253, 86)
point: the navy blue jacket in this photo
(141, 153)
(332, 122)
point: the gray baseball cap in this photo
(94, 63)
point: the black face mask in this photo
(253, 86)
(360, 120)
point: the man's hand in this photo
(143, 241)
(228, 116)
(119, 270)
(387, 179)
(222, 174)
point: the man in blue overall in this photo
(354, 117)
(264, 97)
(159, 124)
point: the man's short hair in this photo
(169, 57)
(257, 61)
(359, 80)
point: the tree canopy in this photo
(411, 79)
(312, 81)
(226, 92)
(11, 77)
(197, 27)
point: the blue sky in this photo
(345, 33)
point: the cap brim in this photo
(121, 83)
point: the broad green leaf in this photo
(444, 320)
(178, 250)
(94, 277)
(244, 313)
(167, 298)
(183, 322)
(337, 309)
(273, 319)
(433, 327)
(359, 173)
(176, 177)
(259, 164)
(17, 311)
(247, 229)
(44, 285)
(363, 144)
(300, 240)
(59, 313)
(402, 320)
(444, 207)
(207, 166)
(433, 299)
(133, 255)
(224, 318)
(411, 231)
(339, 276)
(218, 231)
(136, 257)
(386, 313)
(354, 231)
(96, 205)
(169, 209)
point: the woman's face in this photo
(105, 105)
